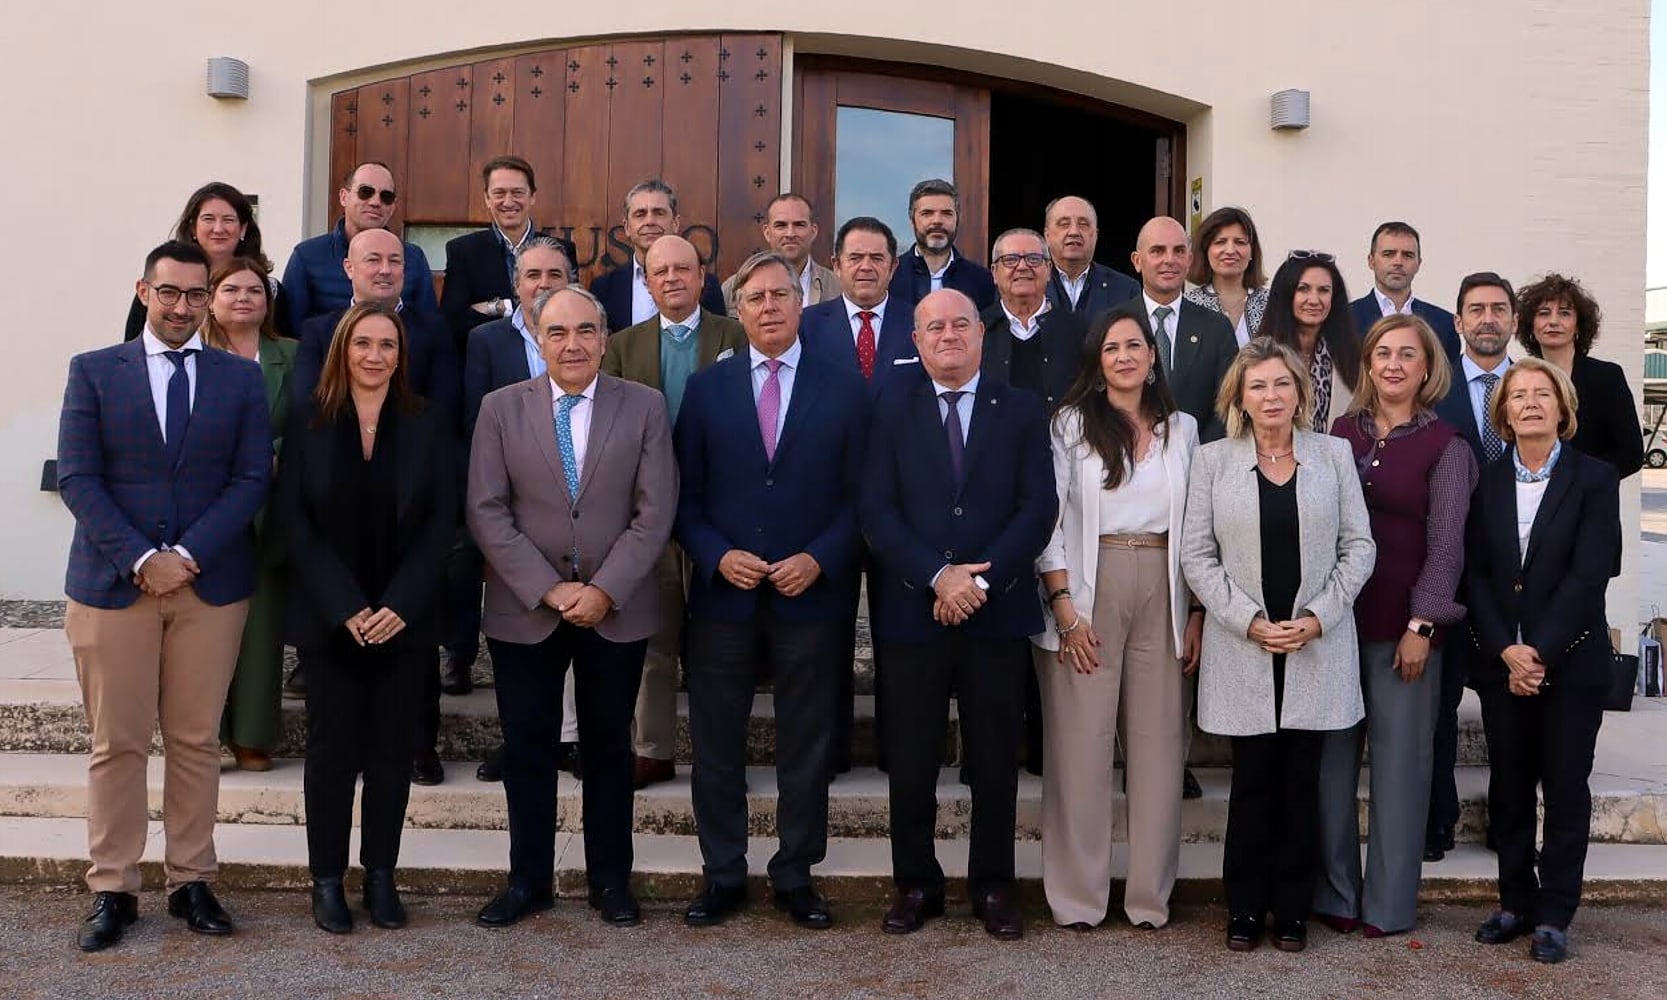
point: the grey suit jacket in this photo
(1221, 554)
(519, 512)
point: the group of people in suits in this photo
(1073, 497)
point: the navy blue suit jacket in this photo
(1366, 312)
(477, 270)
(1456, 410)
(1105, 287)
(916, 521)
(114, 476)
(912, 282)
(1555, 596)
(613, 288)
(825, 329)
(435, 373)
(314, 282)
(496, 357)
(731, 497)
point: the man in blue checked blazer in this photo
(164, 456)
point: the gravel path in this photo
(1617, 952)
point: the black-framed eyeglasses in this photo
(168, 295)
(1013, 260)
(1319, 255)
(366, 193)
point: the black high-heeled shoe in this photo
(330, 910)
(382, 899)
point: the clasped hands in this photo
(1284, 636)
(791, 576)
(957, 592)
(581, 604)
(1527, 675)
(165, 572)
(372, 628)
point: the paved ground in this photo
(1618, 952)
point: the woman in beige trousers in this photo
(1117, 612)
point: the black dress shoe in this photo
(1190, 788)
(194, 903)
(1244, 933)
(112, 913)
(1502, 928)
(426, 769)
(1437, 843)
(330, 910)
(458, 679)
(1000, 915)
(512, 904)
(617, 906)
(568, 759)
(911, 911)
(1548, 945)
(492, 768)
(382, 899)
(806, 906)
(1290, 935)
(715, 904)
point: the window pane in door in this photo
(880, 155)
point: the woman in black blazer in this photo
(1542, 542)
(1558, 320)
(368, 526)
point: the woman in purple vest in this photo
(1417, 475)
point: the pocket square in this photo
(728, 352)
(906, 361)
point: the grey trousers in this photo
(1400, 728)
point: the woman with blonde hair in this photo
(1276, 546)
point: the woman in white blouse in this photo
(1121, 629)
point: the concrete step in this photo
(54, 785)
(856, 871)
(46, 716)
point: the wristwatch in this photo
(1418, 628)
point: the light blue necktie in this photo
(679, 332)
(564, 441)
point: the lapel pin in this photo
(1193, 338)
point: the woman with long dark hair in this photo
(368, 524)
(1308, 311)
(240, 321)
(220, 220)
(1121, 629)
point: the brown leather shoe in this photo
(648, 771)
(911, 911)
(1000, 915)
(250, 759)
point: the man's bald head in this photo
(949, 337)
(672, 270)
(1161, 257)
(375, 265)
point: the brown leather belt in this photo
(1157, 541)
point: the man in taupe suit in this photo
(790, 229)
(661, 353)
(572, 494)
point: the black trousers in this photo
(424, 734)
(986, 677)
(725, 661)
(1543, 741)
(1444, 789)
(845, 698)
(464, 590)
(362, 704)
(1271, 856)
(529, 685)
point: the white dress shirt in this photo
(578, 418)
(535, 358)
(1168, 324)
(1478, 390)
(1019, 328)
(1074, 286)
(159, 370)
(804, 282)
(879, 311)
(784, 375)
(963, 406)
(937, 276)
(1386, 305)
(642, 303)
(692, 321)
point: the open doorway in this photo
(1042, 149)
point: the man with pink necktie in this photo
(770, 454)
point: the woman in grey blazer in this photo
(1276, 544)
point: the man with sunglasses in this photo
(314, 281)
(164, 455)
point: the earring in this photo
(1100, 384)
(1151, 376)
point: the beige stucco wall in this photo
(1512, 132)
